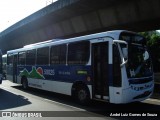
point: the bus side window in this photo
(117, 80)
(21, 58)
(58, 54)
(78, 53)
(43, 56)
(9, 64)
(10, 59)
(31, 57)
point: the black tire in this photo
(24, 83)
(82, 95)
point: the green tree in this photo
(153, 43)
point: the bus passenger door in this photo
(100, 70)
(15, 68)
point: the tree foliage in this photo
(153, 43)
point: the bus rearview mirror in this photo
(125, 52)
(146, 55)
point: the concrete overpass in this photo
(69, 18)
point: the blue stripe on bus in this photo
(61, 73)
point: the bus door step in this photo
(104, 97)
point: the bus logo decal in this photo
(34, 73)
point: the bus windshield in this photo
(139, 62)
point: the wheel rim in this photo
(82, 95)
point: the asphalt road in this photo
(32, 102)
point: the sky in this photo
(12, 11)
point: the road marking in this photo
(65, 105)
(153, 100)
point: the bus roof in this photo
(111, 34)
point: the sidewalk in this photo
(156, 94)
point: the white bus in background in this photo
(112, 66)
(1, 72)
(4, 65)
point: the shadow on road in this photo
(156, 94)
(96, 107)
(9, 100)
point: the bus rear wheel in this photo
(24, 83)
(82, 95)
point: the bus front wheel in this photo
(24, 83)
(82, 95)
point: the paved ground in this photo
(13, 98)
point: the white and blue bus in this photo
(112, 66)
